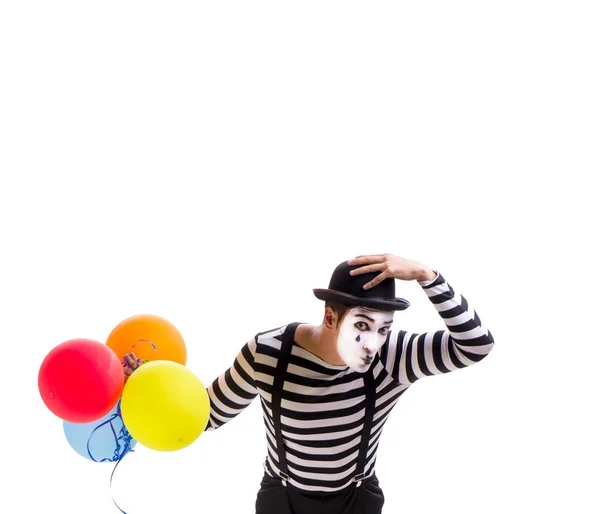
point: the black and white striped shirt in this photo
(323, 405)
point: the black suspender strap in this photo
(370, 395)
(287, 343)
(278, 381)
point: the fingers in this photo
(377, 280)
(131, 360)
(130, 364)
(367, 259)
(126, 369)
(370, 264)
(370, 268)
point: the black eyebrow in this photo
(372, 320)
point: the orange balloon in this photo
(149, 337)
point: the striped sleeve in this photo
(408, 357)
(234, 390)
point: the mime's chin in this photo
(360, 367)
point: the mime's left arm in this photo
(408, 357)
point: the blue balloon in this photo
(103, 440)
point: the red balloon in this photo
(81, 380)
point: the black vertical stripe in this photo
(421, 356)
(385, 349)
(453, 357)
(410, 374)
(436, 349)
(399, 349)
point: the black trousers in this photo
(275, 498)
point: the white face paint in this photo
(362, 333)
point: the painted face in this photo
(362, 333)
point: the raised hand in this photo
(390, 266)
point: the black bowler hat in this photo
(348, 289)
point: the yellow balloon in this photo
(165, 407)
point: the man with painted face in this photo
(327, 390)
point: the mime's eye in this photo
(361, 325)
(384, 330)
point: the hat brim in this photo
(397, 304)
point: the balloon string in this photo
(122, 441)
(122, 445)
(144, 341)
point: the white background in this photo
(212, 162)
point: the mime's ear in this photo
(330, 318)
